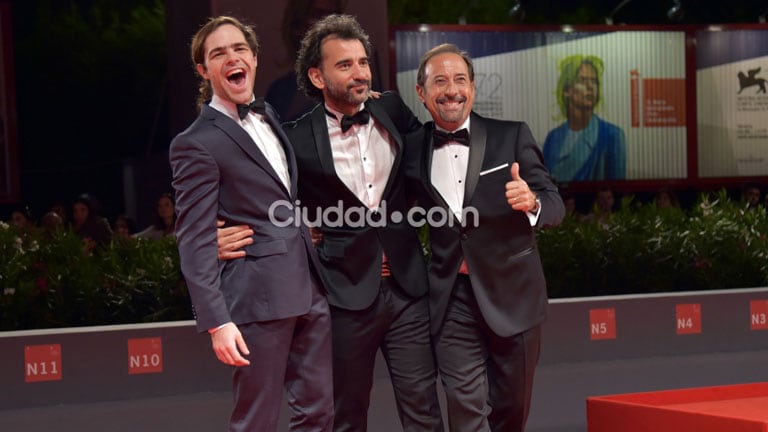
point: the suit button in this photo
(464, 236)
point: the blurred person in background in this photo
(751, 193)
(165, 219)
(123, 227)
(88, 223)
(299, 15)
(21, 218)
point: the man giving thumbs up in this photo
(488, 295)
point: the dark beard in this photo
(346, 96)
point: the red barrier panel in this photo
(733, 408)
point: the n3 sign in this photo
(758, 314)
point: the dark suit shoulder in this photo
(390, 96)
(393, 105)
(304, 121)
(390, 101)
(271, 111)
(199, 128)
(494, 122)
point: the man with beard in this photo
(349, 150)
(585, 147)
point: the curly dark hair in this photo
(197, 48)
(338, 26)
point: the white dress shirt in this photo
(362, 156)
(262, 134)
(449, 172)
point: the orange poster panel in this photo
(663, 102)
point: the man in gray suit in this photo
(266, 313)
(349, 150)
(488, 295)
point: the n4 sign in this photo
(688, 318)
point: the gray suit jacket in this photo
(501, 252)
(219, 173)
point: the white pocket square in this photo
(488, 171)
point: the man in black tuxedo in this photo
(488, 295)
(266, 313)
(349, 151)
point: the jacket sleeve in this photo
(533, 171)
(196, 182)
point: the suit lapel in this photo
(427, 146)
(290, 156)
(477, 142)
(322, 140)
(242, 140)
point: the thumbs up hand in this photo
(519, 196)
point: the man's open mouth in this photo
(236, 77)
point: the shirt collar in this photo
(464, 125)
(338, 114)
(227, 107)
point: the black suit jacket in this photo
(220, 173)
(501, 252)
(351, 255)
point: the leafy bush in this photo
(51, 280)
(642, 249)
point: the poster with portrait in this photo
(9, 182)
(732, 102)
(633, 90)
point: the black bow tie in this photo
(256, 106)
(362, 117)
(441, 138)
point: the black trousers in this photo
(399, 326)
(488, 380)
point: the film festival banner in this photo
(634, 87)
(732, 111)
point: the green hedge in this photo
(50, 281)
(642, 249)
